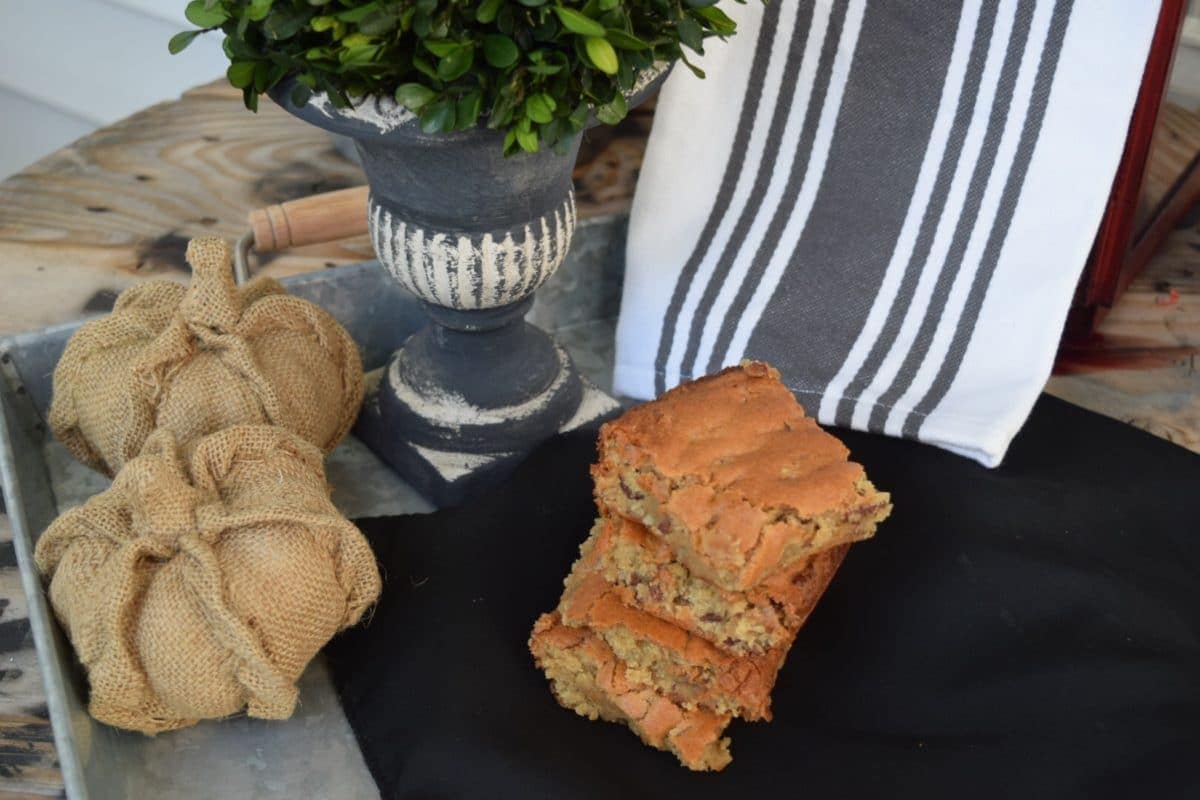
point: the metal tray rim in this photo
(41, 622)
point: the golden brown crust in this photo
(686, 668)
(587, 677)
(645, 574)
(734, 475)
(724, 514)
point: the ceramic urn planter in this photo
(472, 234)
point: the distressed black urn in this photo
(472, 234)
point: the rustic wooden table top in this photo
(119, 206)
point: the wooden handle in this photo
(310, 220)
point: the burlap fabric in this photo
(199, 359)
(194, 589)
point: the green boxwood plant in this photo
(530, 68)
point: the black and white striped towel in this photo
(891, 201)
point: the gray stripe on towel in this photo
(967, 220)
(890, 102)
(733, 170)
(787, 201)
(1047, 67)
(765, 169)
(898, 307)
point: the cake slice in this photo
(587, 677)
(644, 573)
(684, 667)
(735, 478)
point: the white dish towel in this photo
(890, 201)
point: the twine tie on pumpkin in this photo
(202, 359)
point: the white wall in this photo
(70, 66)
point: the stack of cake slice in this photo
(724, 514)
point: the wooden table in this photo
(119, 206)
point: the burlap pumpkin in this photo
(194, 590)
(199, 359)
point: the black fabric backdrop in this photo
(1028, 631)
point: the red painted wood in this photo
(1114, 241)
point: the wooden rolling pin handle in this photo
(310, 220)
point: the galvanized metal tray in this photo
(313, 754)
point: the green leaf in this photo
(579, 116)
(422, 25)
(240, 73)
(262, 76)
(625, 41)
(502, 111)
(258, 9)
(199, 15)
(613, 111)
(413, 95)
(500, 51)
(181, 40)
(357, 40)
(699, 73)
(456, 64)
(286, 22)
(441, 49)
(438, 117)
(300, 95)
(700, 3)
(575, 22)
(528, 140)
(379, 22)
(540, 108)
(609, 5)
(356, 15)
(468, 108)
(424, 67)
(359, 56)
(690, 34)
(487, 11)
(718, 20)
(602, 54)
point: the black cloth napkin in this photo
(1028, 631)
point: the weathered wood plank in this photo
(28, 759)
(1173, 147)
(1145, 366)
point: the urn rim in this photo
(381, 118)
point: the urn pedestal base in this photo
(447, 477)
(471, 394)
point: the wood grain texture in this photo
(310, 220)
(28, 759)
(1143, 365)
(119, 205)
(1176, 144)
